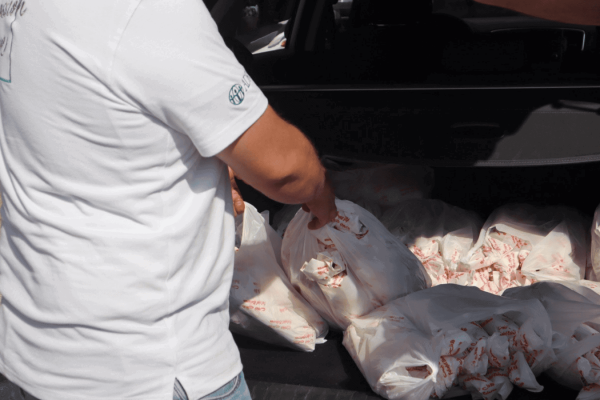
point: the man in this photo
(118, 119)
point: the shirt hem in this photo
(195, 393)
(43, 394)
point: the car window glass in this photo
(456, 41)
(262, 25)
(439, 42)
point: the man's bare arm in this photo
(276, 159)
(581, 12)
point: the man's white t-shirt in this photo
(116, 249)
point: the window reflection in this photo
(432, 42)
(262, 25)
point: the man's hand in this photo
(322, 207)
(238, 202)
(581, 12)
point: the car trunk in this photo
(487, 146)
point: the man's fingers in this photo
(316, 224)
(333, 215)
(238, 202)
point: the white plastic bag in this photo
(424, 343)
(437, 233)
(349, 267)
(574, 312)
(262, 302)
(591, 392)
(520, 244)
(283, 217)
(377, 187)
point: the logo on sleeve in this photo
(236, 94)
(238, 91)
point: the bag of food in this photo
(262, 302)
(520, 244)
(348, 267)
(377, 187)
(437, 233)
(431, 342)
(282, 218)
(574, 312)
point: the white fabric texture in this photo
(116, 250)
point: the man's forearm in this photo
(298, 191)
(296, 177)
(582, 12)
(275, 158)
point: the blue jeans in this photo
(235, 389)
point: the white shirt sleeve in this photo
(172, 64)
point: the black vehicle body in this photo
(506, 109)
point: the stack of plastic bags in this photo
(349, 267)
(574, 311)
(520, 244)
(262, 302)
(439, 234)
(437, 341)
